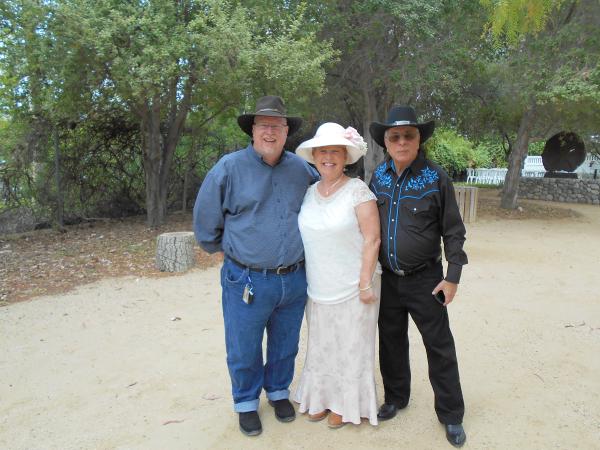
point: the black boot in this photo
(284, 410)
(455, 434)
(250, 423)
(388, 411)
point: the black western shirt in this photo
(417, 210)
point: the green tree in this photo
(158, 60)
(416, 53)
(547, 77)
(162, 55)
(152, 56)
(44, 82)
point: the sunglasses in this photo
(395, 137)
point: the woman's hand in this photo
(367, 296)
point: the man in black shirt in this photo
(417, 209)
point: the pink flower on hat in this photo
(353, 136)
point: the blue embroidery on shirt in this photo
(418, 183)
(383, 178)
(418, 197)
(376, 191)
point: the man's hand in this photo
(448, 288)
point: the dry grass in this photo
(488, 208)
(50, 262)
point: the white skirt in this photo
(338, 372)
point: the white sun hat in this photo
(331, 133)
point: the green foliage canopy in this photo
(157, 61)
(455, 153)
(512, 20)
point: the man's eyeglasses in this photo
(267, 127)
(395, 137)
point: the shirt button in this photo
(391, 237)
(391, 254)
(392, 220)
(394, 203)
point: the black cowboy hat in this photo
(271, 106)
(397, 117)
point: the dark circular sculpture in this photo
(564, 151)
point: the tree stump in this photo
(175, 251)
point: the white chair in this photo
(470, 175)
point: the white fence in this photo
(486, 176)
(589, 166)
(532, 168)
(533, 164)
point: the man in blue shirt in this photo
(247, 208)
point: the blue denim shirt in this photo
(249, 209)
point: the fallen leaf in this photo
(173, 421)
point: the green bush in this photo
(536, 148)
(454, 152)
(495, 154)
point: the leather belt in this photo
(281, 270)
(416, 269)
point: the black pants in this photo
(401, 296)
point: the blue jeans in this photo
(278, 307)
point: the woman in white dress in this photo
(339, 224)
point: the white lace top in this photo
(333, 242)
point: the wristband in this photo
(366, 288)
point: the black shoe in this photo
(388, 411)
(250, 423)
(284, 411)
(455, 434)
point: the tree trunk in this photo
(59, 193)
(158, 149)
(187, 174)
(156, 209)
(158, 156)
(515, 162)
(156, 199)
(374, 154)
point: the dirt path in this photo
(139, 363)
